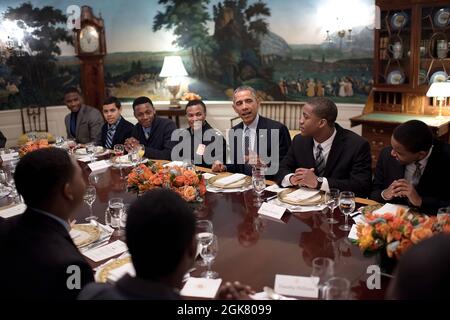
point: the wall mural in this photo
(287, 50)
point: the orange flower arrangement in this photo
(32, 146)
(189, 96)
(397, 232)
(189, 184)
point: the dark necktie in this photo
(73, 123)
(247, 141)
(320, 161)
(417, 174)
(109, 136)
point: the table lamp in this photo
(173, 69)
(440, 91)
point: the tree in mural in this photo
(188, 21)
(238, 27)
(36, 66)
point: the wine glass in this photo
(90, 150)
(259, 183)
(332, 197)
(72, 144)
(116, 209)
(209, 253)
(89, 198)
(119, 150)
(347, 205)
(323, 269)
(203, 234)
(337, 288)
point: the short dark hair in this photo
(141, 100)
(414, 135)
(41, 173)
(324, 108)
(160, 225)
(111, 100)
(71, 90)
(195, 102)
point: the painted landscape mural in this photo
(287, 50)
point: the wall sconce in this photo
(173, 69)
(440, 91)
(11, 37)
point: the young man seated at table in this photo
(325, 155)
(40, 260)
(160, 261)
(200, 143)
(151, 131)
(116, 129)
(414, 170)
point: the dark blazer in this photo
(89, 125)
(284, 142)
(2, 140)
(191, 141)
(123, 131)
(159, 145)
(431, 185)
(38, 251)
(348, 165)
(128, 288)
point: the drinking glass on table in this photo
(116, 209)
(209, 254)
(90, 150)
(89, 198)
(259, 183)
(204, 235)
(71, 144)
(322, 270)
(347, 206)
(119, 150)
(332, 201)
(336, 288)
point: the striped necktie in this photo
(417, 174)
(320, 161)
(246, 141)
(109, 136)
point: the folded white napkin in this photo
(222, 182)
(118, 273)
(174, 163)
(389, 208)
(301, 194)
(12, 211)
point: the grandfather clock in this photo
(90, 48)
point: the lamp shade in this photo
(439, 90)
(173, 67)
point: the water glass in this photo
(347, 206)
(89, 197)
(90, 150)
(332, 201)
(209, 254)
(119, 150)
(259, 183)
(204, 234)
(337, 288)
(116, 209)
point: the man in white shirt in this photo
(325, 155)
(409, 171)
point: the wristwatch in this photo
(319, 182)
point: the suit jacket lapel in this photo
(337, 148)
(79, 117)
(309, 150)
(154, 127)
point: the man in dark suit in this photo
(325, 155)
(256, 139)
(2, 140)
(423, 271)
(200, 143)
(151, 218)
(40, 259)
(116, 129)
(151, 131)
(83, 123)
(413, 170)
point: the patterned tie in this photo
(417, 174)
(109, 136)
(320, 161)
(247, 141)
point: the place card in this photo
(99, 165)
(389, 208)
(274, 188)
(85, 159)
(353, 234)
(201, 149)
(302, 194)
(12, 211)
(10, 156)
(107, 251)
(174, 164)
(296, 286)
(359, 219)
(271, 210)
(207, 176)
(201, 287)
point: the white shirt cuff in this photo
(382, 195)
(325, 187)
(286, 183)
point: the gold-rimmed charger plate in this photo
(316, 199)
(245, 182)
(85, 234)
(103, 273)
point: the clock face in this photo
(89, 39)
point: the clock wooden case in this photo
(90, 48)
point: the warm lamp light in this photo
(440, 91)
(173, 69)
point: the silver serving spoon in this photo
(272, 294)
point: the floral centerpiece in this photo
(32, 146)
(395, 233)
(189, 96)
(189, 184)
